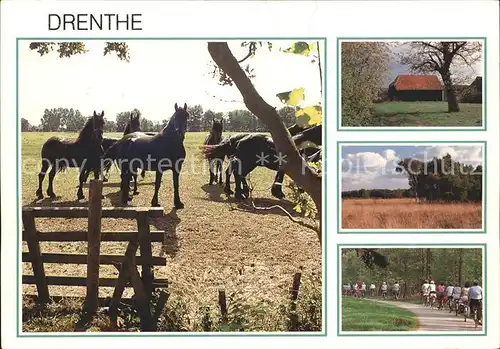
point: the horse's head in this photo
(135, 123)
(217, 127)
(180, 120)
(98, 127)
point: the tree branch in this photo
(295, 166)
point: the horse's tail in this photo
(110, 156)
(214, 151)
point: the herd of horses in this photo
(138, 151)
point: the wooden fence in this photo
(127, 264)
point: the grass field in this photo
(366, 315)
(426, 114)
(407, 214)
(213, 242)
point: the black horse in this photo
(161, 152)
(215, 162)
(133, 125)
(311, 154)
(255, 145)
(83, 152)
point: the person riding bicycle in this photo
(363, 289)
(449, 292)
(475, 297)
(383, 289)
(425, 291)
(464, 293)
(395, 290)
(372, 289)
(432, 290)
(440, 294)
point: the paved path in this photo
(435, 320)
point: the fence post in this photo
(294, 296)
(223, 305)
(94, 244)
(36, 257)
(146, 252)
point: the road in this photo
(436, 320)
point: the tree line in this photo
(238, 120)
(443, 179)
(411, 266)
(377, 193)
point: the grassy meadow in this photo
(366, 315)
(213, 242)
(406, 114)
(407, 214)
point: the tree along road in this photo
(436, 320)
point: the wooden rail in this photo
(127, 264)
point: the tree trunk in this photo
(422, 271)
(428, 271)
(295, 166)
(460, 264)
(450, 93)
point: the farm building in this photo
(416, 88)
(474, 92)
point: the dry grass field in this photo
(213, 242)
(407, 214)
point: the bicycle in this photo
(477, 314)
(426, 301)
(466, 311)
(432, 301)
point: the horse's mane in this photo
(86, 131)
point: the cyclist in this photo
(475, 297)
(395, 290)
(425, 291)
(363, 289)
(383, 290)
(449, 292)
(440, 294)
(372, 289)
(432, 290)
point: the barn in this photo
(416, 88)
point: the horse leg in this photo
(227, 188)
(50, 189)
(135, 185)
(242, 190)
(41, 177)
(154, 201)
(211, 166)
(219, 170)
(177, 199)
(83, 177)
(125, 187)
(277, 188)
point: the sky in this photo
(373, 167)
(395, 68)
(159, 74)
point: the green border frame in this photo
(411, 128)
(324, 333)
(410, 333)
(409, 231)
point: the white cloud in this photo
(465, 154)
(370, 170)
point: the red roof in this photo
(417, 82)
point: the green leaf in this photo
(298, 208)
(292, 98)
(300, 48)
(309, 116)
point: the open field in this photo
(426, 114)
(213, 242)
(407, 214)
(366, 315)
